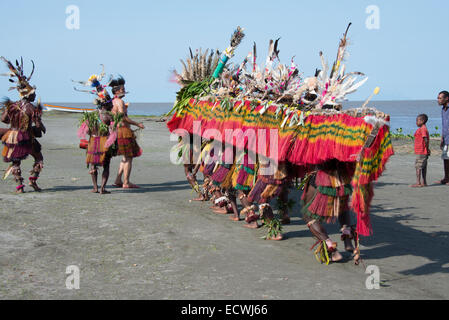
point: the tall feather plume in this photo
(190, 68)
(216, 59)
(184, 73)
(275, 49)
(32, 71)
(204, 64)
(11, 68)
(237, 37)
(209, 62)
(254, 57)
(340, 52)
(195, 65)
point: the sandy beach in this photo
(152, 243)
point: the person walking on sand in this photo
(443, 100)
(96, 124)
(126, 139)
(422, 151)
(26, 125)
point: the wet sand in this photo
(152, 243)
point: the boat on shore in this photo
(49, 107)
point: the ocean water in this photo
(402, 113)
(135, 108)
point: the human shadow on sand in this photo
(143, 188)
(392, 238)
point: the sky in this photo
(406, 55)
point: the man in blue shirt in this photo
(443, 100)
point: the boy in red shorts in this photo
(422, 151)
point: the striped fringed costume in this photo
(243, 177)
(17, 140)
(269, 186)
(222, 177)
(127, 144)
(96, 150)
(17, 145)
(331, 199)
(207, 164)
(20, 140)
(266, 187)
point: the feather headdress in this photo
(197, 69)
(117, 83)
(281, 84)
(335, 86)
(17, 77)
(103, 98)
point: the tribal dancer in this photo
(325, 199)
(126, 140)
(268, 186)
(101, 146)
(26, 125)
(185, 153)
(306, 118)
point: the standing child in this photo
(422, 151)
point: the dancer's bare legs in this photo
(105, 175)
(94, 175)
(118, 180)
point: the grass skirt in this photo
(17, 145)
(96, 150)
(127, 144)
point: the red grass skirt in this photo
(96, 150)
(127, 144)
(17, 145)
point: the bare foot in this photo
(336, 256)
(94, 190)
(130, 186)
(234, 218)
(220, 210)
(200, 198)
(252, 225)
(356, 256)
(104, 191)
(277, 238)
(416, 185)
(20, 190)
(34, 185)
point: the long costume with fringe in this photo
(98, 149)
(127, 144)
(296, 123)
(19, 139)
(26, 125)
